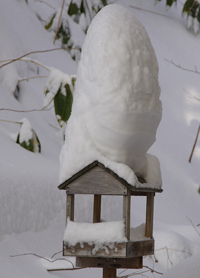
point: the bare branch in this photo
(33, 77)
(25, 111)
(195, 142)
(65, 269)
(13, 122)
(180, 67)
(37, 51)
(45, 3)
(57, 129)
(26, 60)
(41, 257)
(56, 254)
(141, 9)
(192, 222)
(192, 96)
(153, 270)
(59, 22)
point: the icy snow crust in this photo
(116, 109)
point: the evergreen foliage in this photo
(191, 9)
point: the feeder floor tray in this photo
(128, 249)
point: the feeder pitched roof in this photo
(98, 179)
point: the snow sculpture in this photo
(116, 109)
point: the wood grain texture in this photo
(109, 273)
(96, 181)
(118, 250)
(134, 263)
(129, 249)
(126, 213)
(139, 248)
(149, 215)
(97, 209)
(70, 207)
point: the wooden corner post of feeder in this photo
(98, 180)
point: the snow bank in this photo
(171, 248)
(116, 109)
(187, 268)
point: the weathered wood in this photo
(134, 263)
(128, 249)
(139, 248)
(70, 207)
(149, 215)
(97, 209)
(96, 181)
(116, 250)
(126, 213)
(109, 273)
(93, 177)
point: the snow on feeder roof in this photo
(116, 108)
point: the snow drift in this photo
(116, 109)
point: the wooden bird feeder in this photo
(98, 180)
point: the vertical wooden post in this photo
(109, 273)
(70, 207)
(149, 214)
(97, 209)
(126, 212)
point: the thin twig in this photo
(57, 129)
(37, 51)
(45, 3)
(153, 270)
(56, 254)
(59, 22)
(65, 269)
(88, 10)
(41, 257)
(33, 77)
(180, 67)
(139, 272)
(195, 142)
(193, 225)
(141, 9)
(192, 96)
(25, 111)
(13, 122)
(25, 60)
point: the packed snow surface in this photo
(94, 233)
(116, 109)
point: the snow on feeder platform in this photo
(115, 115)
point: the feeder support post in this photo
(109, 272)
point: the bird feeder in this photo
(98, 180)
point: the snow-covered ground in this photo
(32, 219)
